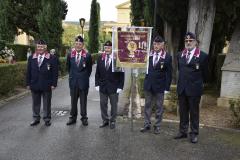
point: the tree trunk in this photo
(172, 46)
(235, 41)
(200, 21)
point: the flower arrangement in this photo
(7, 55)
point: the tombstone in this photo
(230, 85)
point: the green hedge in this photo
(13, 75)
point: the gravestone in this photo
(230, 85)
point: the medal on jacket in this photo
(162, 63)
(197, 65)
(84, 64)
(48, 66)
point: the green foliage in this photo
(93, 34)
(137, 14)
(50, 22)
(235, 109)
(63, 66)
(172, 99)
(149, 12)
(95, 57)
(7, 79)
(7, 29)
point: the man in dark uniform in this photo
(193, 70)
(42, 76)
(109, 84)
(79, 64)
(157, 81)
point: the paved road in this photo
(19, 141)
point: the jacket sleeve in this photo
(169, 74)
(28, 75)
(89, 68)
(97, 75)
(68, 64)
(54, 71)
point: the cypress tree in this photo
(93, 43)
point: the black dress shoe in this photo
(71, 121)
(112, 125)
(84, 122)
(194, 139)
(145, 129)
(34, 123)
(156, 130)
(180, 136)
(105, 123)
(47, 123)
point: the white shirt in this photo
(191, 55)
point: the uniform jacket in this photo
(79, 74)
(107, 80)
(43, 77)
(159, 78)
(192, 75)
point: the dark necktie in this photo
(155, 60)
(78, 59)
(40, 61)
(107, 62)
(188, 56)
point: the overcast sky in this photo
(81, 9)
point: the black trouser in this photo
(75, 94)
(36, 104)
(189, 105)
(149, 99)
(104, 106)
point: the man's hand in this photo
(166, 92)
(28, 87)
(52, 87)
(97, 88)
(119, 90)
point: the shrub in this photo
(172, 99)
(62, 66)
(235, 109)
(7, 79)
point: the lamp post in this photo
(82, 23)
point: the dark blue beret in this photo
(108, 43)
(190, 35)
(41, 42)
(158, 39)
(79, 39)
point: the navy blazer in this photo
(79, 74)
(107, 80)
(43, 77)
(192, 75)
(159, 78)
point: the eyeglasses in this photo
(189, 41)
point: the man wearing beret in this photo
(193, 71)
(157, 81)
(109, 84)
(42, 76)
(79, 64)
